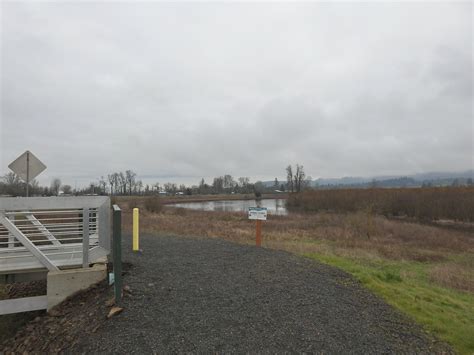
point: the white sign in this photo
(27, 166)
(258, 213)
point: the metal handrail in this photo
(28, 226)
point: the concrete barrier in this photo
(65, 283)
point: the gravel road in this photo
(209, 295)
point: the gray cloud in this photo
(176, 91)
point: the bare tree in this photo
(244, 185)
(67, 189)
(295, 181)
(218, 184)
(139, 187)
(34, 187)
(116, 178)
(299, 177)
(229, 182)
(130, 180)
(102, 186)
(170, 188)
(122, 183)
(243, 181)
(289, 178)
(13, 184)
(202, 186)
(55, 186)
(111, 179)
(11, 179)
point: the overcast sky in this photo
(179, 91)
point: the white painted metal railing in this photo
(53, 232)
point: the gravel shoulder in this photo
(209, 295)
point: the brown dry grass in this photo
(355, 235)
(457, 275)
(452, 203)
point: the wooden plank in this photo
(25, 304)
(27, 243)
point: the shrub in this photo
(153, 204)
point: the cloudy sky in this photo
(179, 91)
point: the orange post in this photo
(259, 233)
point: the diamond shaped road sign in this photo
(27, 166)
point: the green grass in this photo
(446, 313)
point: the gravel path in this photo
(209, 295)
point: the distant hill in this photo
(415, 180)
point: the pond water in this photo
(274, 206)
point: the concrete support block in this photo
(102, 260)
(65, 283)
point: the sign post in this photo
(27, 167)
(27, 173)
(259, 214)
(258, 239)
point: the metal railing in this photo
(53, 232)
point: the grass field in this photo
(408, 286)
(425, 271)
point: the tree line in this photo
(127, 183)
(12, 185)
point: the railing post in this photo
(85, 237)
(117, 253)
(11, 238)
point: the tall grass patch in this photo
(153, 204)
(452, 203)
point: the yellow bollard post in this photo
(135, 230)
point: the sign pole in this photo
(258, 214)
(259, 233)
(27, 173)
(27, 166)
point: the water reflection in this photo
(274, 206)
